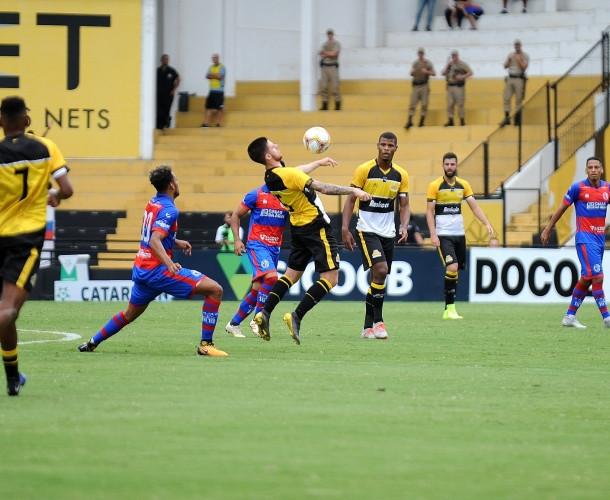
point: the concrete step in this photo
(525, 218)
(295, 154)
(360, 89)
(258, 88)
(108, 260)
(354, 87)
(107, 200)
(123, 245)
(346, 133)
(554, 41)
(383, 119)
(531, 228)
(518, 238)
(492, 20)
(109, 168)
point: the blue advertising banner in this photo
(417, 275)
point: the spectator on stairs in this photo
(453, 15)
(457, 10)
(429, 4)
(505, 10)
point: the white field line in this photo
(65, 336)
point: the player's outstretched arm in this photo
(322, 162)
(333, 189)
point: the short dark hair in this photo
(594, 158)
(389, 135)
(160, 177)
(258, 149)
(13, 106)
(446, 156)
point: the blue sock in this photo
(209, 318)
(578, 295)
(114, 325)
(600, 299)
(263, 293)
(245, 308)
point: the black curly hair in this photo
(160, 177)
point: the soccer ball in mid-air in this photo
(316, 140)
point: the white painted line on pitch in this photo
(66, 336)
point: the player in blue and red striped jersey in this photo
(154, 271)
(267, 220)
(590, 199)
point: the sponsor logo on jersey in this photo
(271, 240)
(592, 205)
(379, 204)
(272, 212)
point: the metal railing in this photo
(568, 112)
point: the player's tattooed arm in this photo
(333, 189)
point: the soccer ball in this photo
(316, 140)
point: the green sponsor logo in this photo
(238, 272)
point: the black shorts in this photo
(374, 249)
(313, 241)
(215, 100)
(453, 249)
(20, 258)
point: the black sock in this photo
(313, 295)
(451, 279)
(378, 292)
(280, 287)
(11, 363)
(368, 312)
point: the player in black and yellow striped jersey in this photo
(27, 163)
(446, 224)
(375, 229)
(311, 234)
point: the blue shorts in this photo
(263, 258)
(590, 257)
(147, 285)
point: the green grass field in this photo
(504, 404)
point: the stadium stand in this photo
(213, 166)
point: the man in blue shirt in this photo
(590, 198)
(155, 271)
